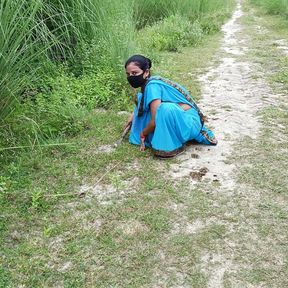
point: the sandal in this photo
(167, 155)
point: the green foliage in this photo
(147, 12)
(62, 110)
(3, 184)
(171, 33)
(4, 278)
(211, 23)
(36, 199)
(273, 6)
(179, 24)
(19, 48)
(60, 26)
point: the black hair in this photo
(141, 61)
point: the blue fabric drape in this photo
(174, 126)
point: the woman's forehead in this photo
(133, 67)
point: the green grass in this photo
(276, 64)
(273, 6)
(51, 234)
(103, 244)
(149, 11)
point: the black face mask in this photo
(136, 81)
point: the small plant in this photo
(47, 231)
(3, 184)
(36, 199)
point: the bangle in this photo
(142, 136)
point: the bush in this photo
(171, 33)
(61, 108)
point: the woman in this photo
(165, 116)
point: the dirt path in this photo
(231, 98)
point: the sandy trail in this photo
(231, 99)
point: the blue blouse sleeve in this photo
(152, 92)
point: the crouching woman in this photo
(165, 116)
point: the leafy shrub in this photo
(63, 110)
(171, 33)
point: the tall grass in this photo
(151, 11)
(35, 32)
(274, 6)
(20, 44)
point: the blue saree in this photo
(174, 125)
